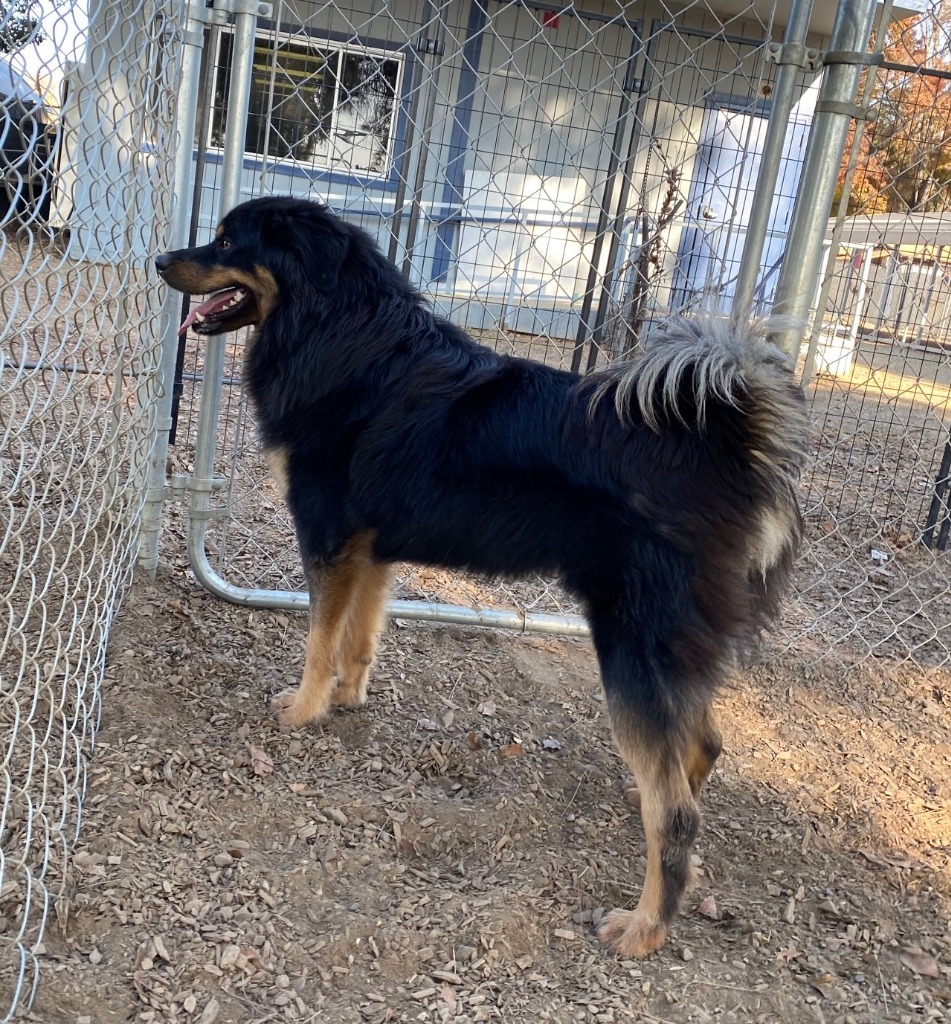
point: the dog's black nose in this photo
(163, 262)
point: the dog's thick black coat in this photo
(661, 493)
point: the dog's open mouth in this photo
(210, 315)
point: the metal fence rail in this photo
(83, 202)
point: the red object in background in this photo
(550, 19)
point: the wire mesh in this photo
(875, 577)
(550, 178)
(85, 96)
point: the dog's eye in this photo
(224, 243)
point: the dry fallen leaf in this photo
(550, 744)
(788, 954)
(920, 963)
(708, 908)
(824, 983)
(474, 740)
(512, 750)
(488, 708)
(261, 762)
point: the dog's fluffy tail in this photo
(696, 362)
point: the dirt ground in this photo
(443, 853)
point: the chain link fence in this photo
(85, 116)
(554, 178)
(550, 178)
(876, 574)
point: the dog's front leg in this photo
(332, 590)
(360, 633)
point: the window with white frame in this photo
(320, 106)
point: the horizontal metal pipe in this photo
(523, 622)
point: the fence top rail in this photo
(933, 229)
(916, 69)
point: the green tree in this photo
(19, 25)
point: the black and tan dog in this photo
(660, 492)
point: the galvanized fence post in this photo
(791, 57)
(201, 484)
(848, 177)
(845, 60)
(185, 118)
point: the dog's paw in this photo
(629, 936)
(351, 688)
(349, 697)
(291, 712)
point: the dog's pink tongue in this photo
(218, 301)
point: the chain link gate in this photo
(85, 133)
(549, 178)
(553, 178)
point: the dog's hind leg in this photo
(332, 591)
(362, 628)
(652, 713)
(671, 820)
(703, 747)
(704, 744)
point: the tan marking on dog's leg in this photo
(671, 820)
(361, 632)
(331, 597)
(277, 466)
(704, 744)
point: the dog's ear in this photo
(320, 247)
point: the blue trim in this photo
(452, 193)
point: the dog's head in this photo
(264, 251)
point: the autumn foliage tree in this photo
(904, 162)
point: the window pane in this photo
(301, 105)
(364, 122)
(291, 114)
(222, 88)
